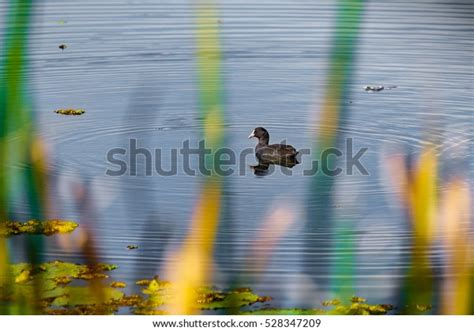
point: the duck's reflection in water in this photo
(266, 167)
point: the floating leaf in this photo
(333, 302)
(211, 299)
(73, 112)
(54, 292)
(62, 280)
(285, 311)
(355, 299)
(58, 297)
(423, 308)
(23, 277)
(57, 273)
(357, 306)
(143, 282)
(50, 227)
(130, 300)
(118, 284)
(83, 295)
(159, 293)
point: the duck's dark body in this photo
(280, 154)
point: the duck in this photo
(284, 155)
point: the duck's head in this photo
(261, 134)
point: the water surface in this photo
(131, 65)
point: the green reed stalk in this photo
(17, 140)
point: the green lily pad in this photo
(57, 273)
(159, 293)
(55, 295)
(285, 311)
(356, 306)
(58, 296)
(360, 309)
(213, 299)
(86, 295)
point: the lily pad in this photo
(333, 302)
(50, 227)
(118, 284)
(159, 293)
(86, 295)
(285, 311)
(49, 283)
(213, 299)
(356, 306)
(360, 309)
(23, 277)
(60, 294)
(70, 111)
(143, 282)
(355, 299)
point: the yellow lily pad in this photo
(23, 277)
(70, 111)
(143, 282)
(50, 227)
(159, 293)
(118, 284)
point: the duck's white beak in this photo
(252, 134)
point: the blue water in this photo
(131, 65)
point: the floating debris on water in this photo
(132, 246)
(118, 284)
(50, 227)
(372, 89)
(73, 112)
(423, 308)
(143, 282)
(333, 302)
(355, 299)
(62, 46)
